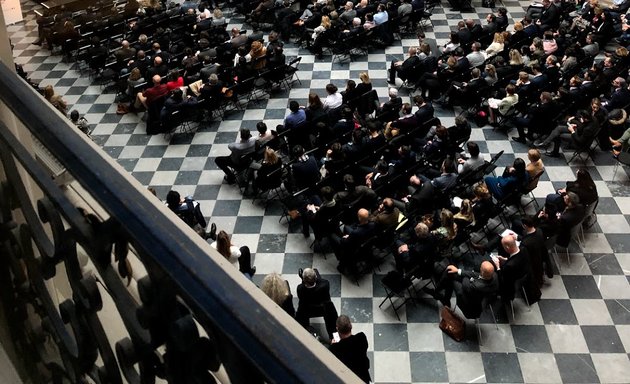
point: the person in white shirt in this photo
(381, 15)
(334, 98)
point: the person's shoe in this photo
(519, 139)
(549, 273)
(552, 154)
(540, 144)
(252, 271)
(306, 234)
(213, 231)
(300, 272)
(38, 42)
(229, 180)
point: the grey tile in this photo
(531, 338)
(576, 368)
(581, 287)
(428, 367)
(391, 337)
(359, 310)
(557, 311)
(502, 368)
(602, 339)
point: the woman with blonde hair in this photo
(446, 232)
(56, 100)
(515, 58)
(257, 54)
(365, 85)
(240, 257)
(490, 74)
(465, 216)
(498, 43)
(268, 174)
(278, 290)
(217, 17)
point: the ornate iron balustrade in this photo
(197, 318)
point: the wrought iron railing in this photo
(192, 318)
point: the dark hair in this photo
(74, 115)
(173, 200)
(261, 127)
(331, 88)
(382, 166)
(529, 221)
(177, 94)
(245, 134)
(298, 151)
(449, 165)
(351, 84)
(473, 148)
(294, 106)
(327, 193)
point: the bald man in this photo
(470, 288)
(354, 236)
(157, 91)
(403, 69)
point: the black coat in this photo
(352, 351)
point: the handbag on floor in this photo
(452, 325)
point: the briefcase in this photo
(452, 325)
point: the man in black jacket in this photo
(403, 68)
(581, 131)
(314, 300)
(539, 119)
(470, 288)
(351, 349)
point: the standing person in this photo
(351, 349)
(240, 257)
(314, 300)
(243, 147)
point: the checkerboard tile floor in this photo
(578, 333)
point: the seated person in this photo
(244, 146)
(514, 179)
(502, 106)
(470, 287)
(417, 251)
(472, 162)
(386, 215)
(314, 301)
(278, 290)
(320, 217)
(188, 210)
(581, 131)
(150, 95)
(238, 256)
(388, 110)
(354, 194)
(403, 69)
(354, 236)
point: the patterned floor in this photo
(578, 333)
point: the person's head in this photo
(418, 100)
(351, 85)
(425, 48)
(382, 167)
(217, 14)
(406, 108)
(309, 277)
(363, 215)
(157, 79)
(270, 156)
(491, 70)
(356, 22)
(571, 199)
(173, 200)
(451, 62)
(261, 127)
(298, 151)
(546, 3)
(344, 325)
(177, 94)
(523, 77)
(475, 46)
(519, 166)
(325, 22)
(515, 57)
(473, 149)
(509, 244)
(236, 31)
(584, 178)
(421, 230)
(528, 222)
(365, 78)
(348, 182)
(481, 191)
(331, 89)
(454, 38)
(275, 287)
(349, 5)
(327, 193)
(518, 26)
(245, 134)
(486, 270)
(74, 115)
(510, 89)
(533, 155)
(392, 92)
(498, 38)
(388, 204)
(223, 244)
(412, 51)
(294, 106)
(49, 91)
(446, 219)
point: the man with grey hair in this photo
(417, 251)
(237, 159)
(388, 111)
(314, 300)
(348, 13)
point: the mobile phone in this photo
(336, 336)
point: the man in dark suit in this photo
(417, 251)
(513, 267)
(580, 130)
(351, 349)
(539, 119)
(421, 200)
(465, 37)
(470, 287)
(354, 236)
(314, 300)
(534, 241)
(572, 215)
(491, 25)
(403, 68)
(549, 17)
(424, 112)
(620, 96)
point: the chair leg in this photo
(512, 307)
(478, 331)
(529, 308)
(494, 318)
